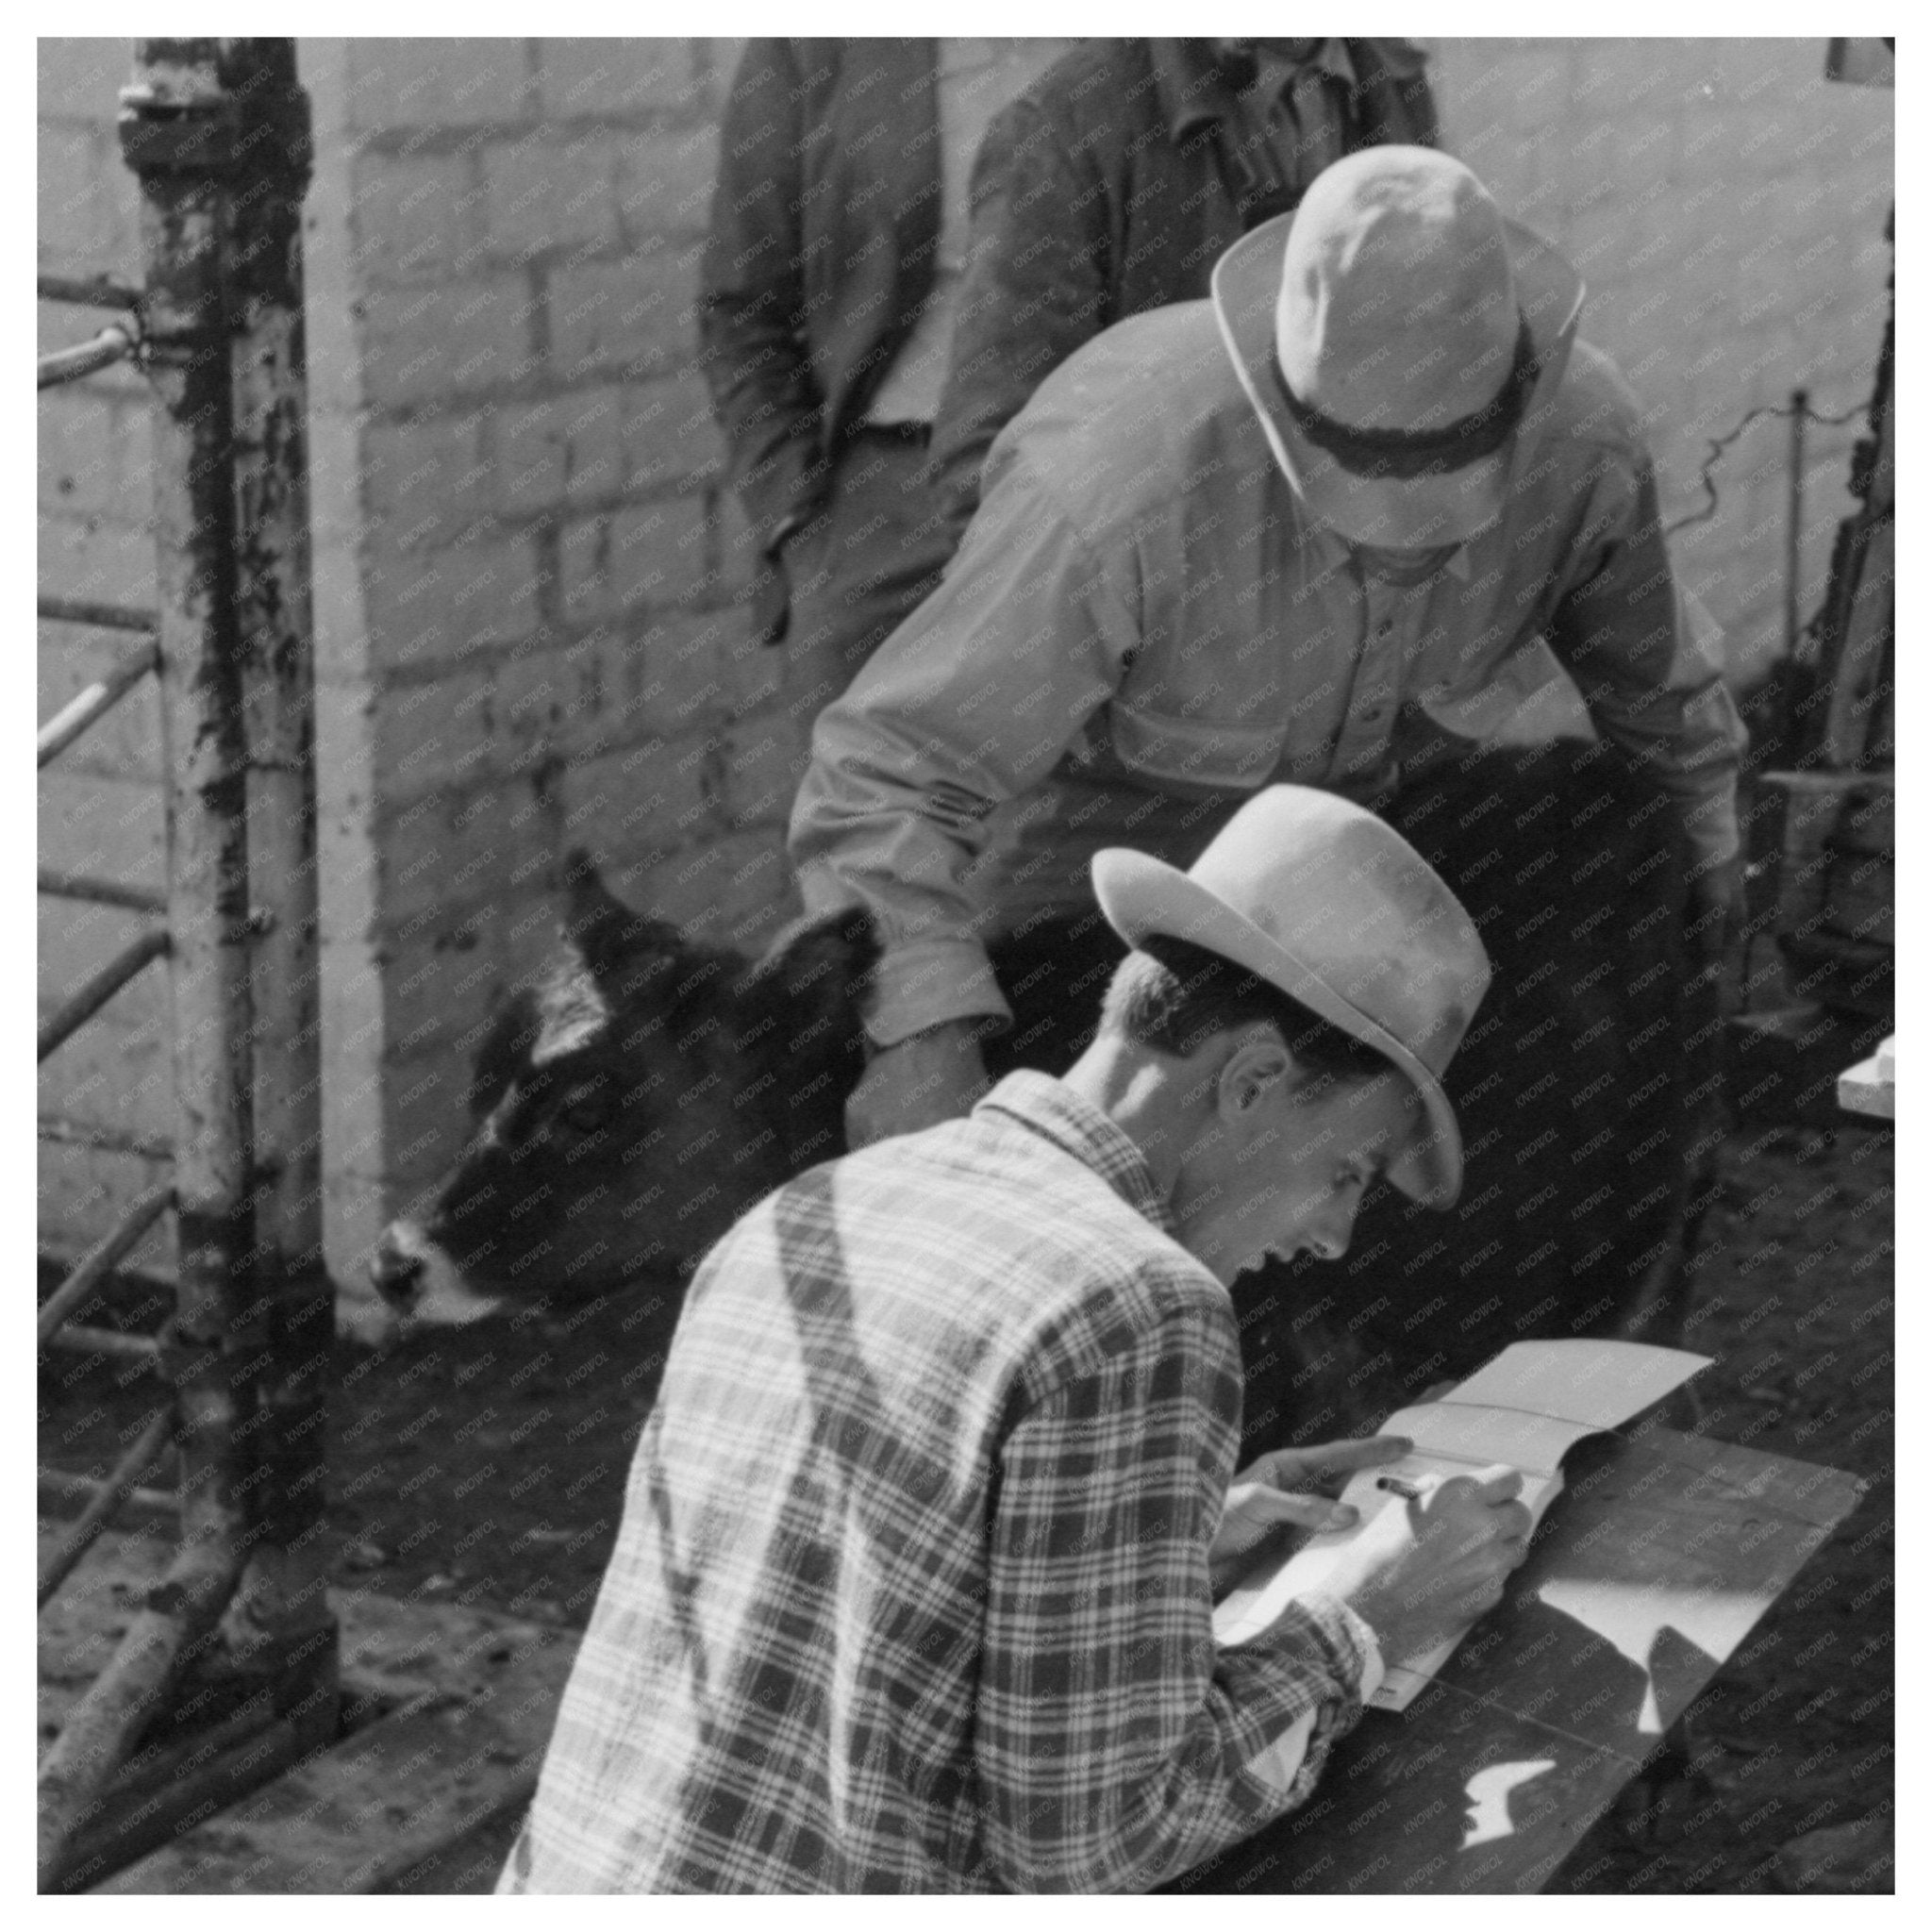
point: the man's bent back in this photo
(911, 1591)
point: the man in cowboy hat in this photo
(1360, 509)
(913, 1589)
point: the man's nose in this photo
(1329, 1233)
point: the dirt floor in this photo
(487, 1467)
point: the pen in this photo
(1399, 1486)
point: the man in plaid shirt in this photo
(914, 1586)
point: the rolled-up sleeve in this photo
(1116, 1746)
(1647, 659)
(970, 703)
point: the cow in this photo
(628, 1105)
(649, 1089)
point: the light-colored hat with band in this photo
(1323, 900)
(1398, 303)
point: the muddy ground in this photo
(486, 1466)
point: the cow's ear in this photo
(820, 969)
(593, 917)
(608, 937)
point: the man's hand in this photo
(1424, 1570)
(933, 1077)
(1292, 1487)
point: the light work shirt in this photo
(1144, 627)
(911, 1591)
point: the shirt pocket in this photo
(1214, 753)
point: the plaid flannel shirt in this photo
(911, 1588)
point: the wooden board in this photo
(1662, 1554)
(472, 1694)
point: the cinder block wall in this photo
(1726, 206)
(100, 803)
(527, 565)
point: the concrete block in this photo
(422, 346)
(95, 451)
(425, 604)
(427, 482)
(734, 891)
(610, 79)
(440, 83)
(650, 798)
(635, 317)
(689, 677)
(434, 736)
(111, 828)
(545, 193)
(665, 177)
(414, 218)
(78, 79)
(447, 850)
(577, 701)
(669, 434)
(765, 760)
(87, 557)
(440, 988)
(564, 448)
(650, 556)
(86, 205)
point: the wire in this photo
(1724, 442)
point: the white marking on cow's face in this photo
(573, 1007)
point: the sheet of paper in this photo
(1527, 1409)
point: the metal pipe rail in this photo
(89, 707)
(87, 292)
(94, 1519)
(86, 610)
(78, 1338)
(81, 1006)
(57, 884)
(181, 1610)
(217, 132)
(54, 1127)
(57, 1488)
(93, 1266)
(114, 344)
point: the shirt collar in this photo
(1334, 552)
(1193, 93)
(1053, 1110)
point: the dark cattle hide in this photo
(649, 1089)
(1578, 1091)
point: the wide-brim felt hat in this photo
(1325, 900)
(1397, 298)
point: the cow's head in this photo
(630, 1104)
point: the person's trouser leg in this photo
(860, 568)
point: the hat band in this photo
(1407, 452)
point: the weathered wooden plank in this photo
(471, 1697)
(1663, 1553)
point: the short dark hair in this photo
(1171, 994)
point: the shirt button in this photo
(1382, 630)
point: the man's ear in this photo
(1258, 1063)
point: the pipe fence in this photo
(217, 133)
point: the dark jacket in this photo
(1109, 188)
(824, 225)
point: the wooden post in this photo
(290, 1315)
(177, 130)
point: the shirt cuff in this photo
(1279, 1763)
(926, 985)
